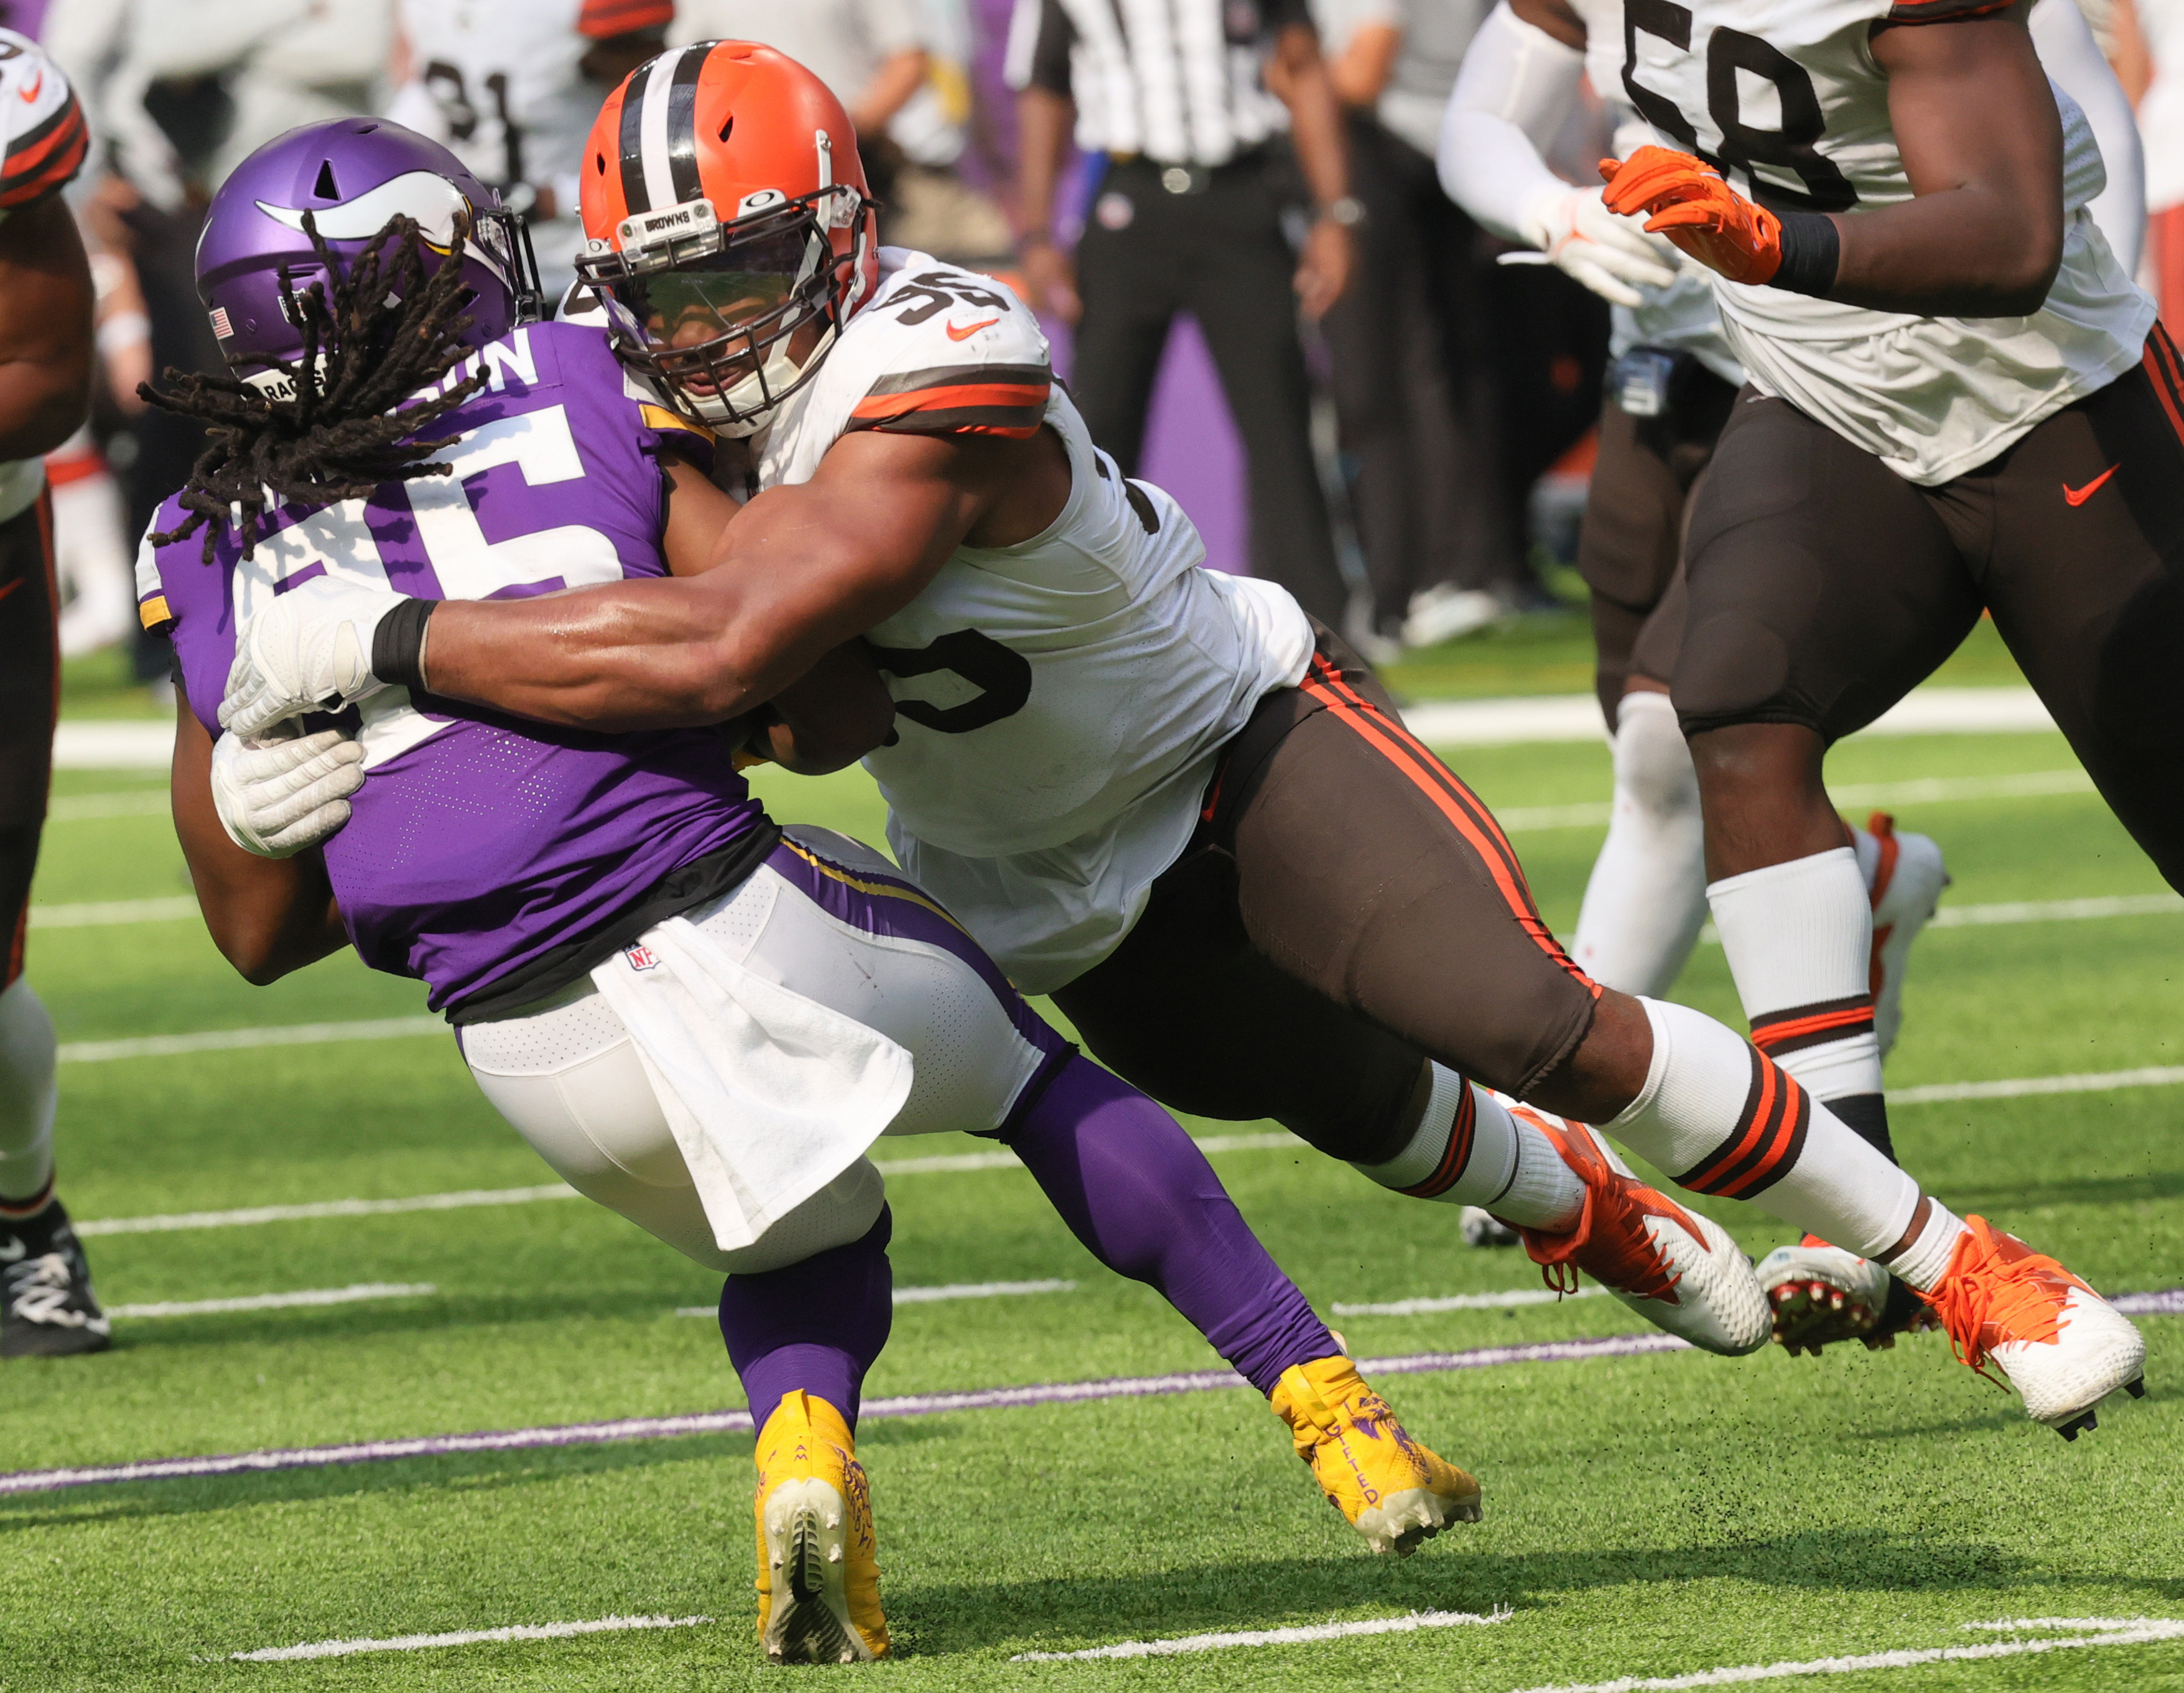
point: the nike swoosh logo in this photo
(970, 330)
(13, 1250)
(30, 95)
(2079, 496)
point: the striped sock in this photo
(1468, 1150)
(1799, 940)
(1738, 1126)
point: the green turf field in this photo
(1660, 1516)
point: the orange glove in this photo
(1695, 208)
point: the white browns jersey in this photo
(1059, 703)
(496, 82)
(1785, 95)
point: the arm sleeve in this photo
(1040, 36)
(892, 26)
(1512, 95)
(2072, 58)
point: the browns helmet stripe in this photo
(631, 139)
(652, 125)
(682, 128)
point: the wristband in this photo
(1812, 253)
(398, 645)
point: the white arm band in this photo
(1513, 93)
(2069, 54)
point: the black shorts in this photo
(1823, 587)
(29, 701)
(1347, 908)
(1633, 536)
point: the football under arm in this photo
(267, 915)
(46, 298)
(797, 573)
(1982, 144)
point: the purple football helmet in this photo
(352, 175)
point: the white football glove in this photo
(310, 651)
(1612, 256)
(276, 797)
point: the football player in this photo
(700, 1019)
(510, 87)
(1958, 401)
(47, 1306)
(1671, 390)
(1150, 790)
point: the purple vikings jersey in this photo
(481, 851)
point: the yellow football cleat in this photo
(818, 1562)
(1387, 1486)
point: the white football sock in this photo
(28, 1095)
(1468, 1150)
(1646, 898)
(1926, 1261)
(1799, 940)
(1721, 1117)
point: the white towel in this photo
(770, 1095)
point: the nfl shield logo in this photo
(641, 957)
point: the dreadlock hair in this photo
(386, 331)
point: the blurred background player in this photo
(1412, 380)
(511, 86)
(1669, 393)
(1188, 217)
(46, 293)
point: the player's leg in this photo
(1823, 588)
(1645, 900)
(47, 1306)
(2087, 586)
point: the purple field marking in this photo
(2169, 1302)
(740, 1422)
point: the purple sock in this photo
(816, 1325)
(1133, 1187)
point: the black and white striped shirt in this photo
(1175, 81)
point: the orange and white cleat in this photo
(1906, 891)
(1820, 1295)
(818, 1559)
(1679, 1271)
(1387, 1486)
(2063, 1347)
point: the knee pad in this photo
(1652, 763)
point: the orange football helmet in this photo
(729, 228)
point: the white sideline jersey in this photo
(1060, 703)
(1785, 97)
(496, 82)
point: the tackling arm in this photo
(267, 915)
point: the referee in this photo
(1188, 217)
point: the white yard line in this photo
(948, 1163)
(466, 1637)
(99, 913)
(1272, 1637)
(115, 744)
(276, 1301)
(253, 1215)
(2035, 911)
(2095, 1082)
(234, 1039)
(1922, 791)
(1576, 716)
(2102, 1631)
(933, 1295)
(1465, 1301)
